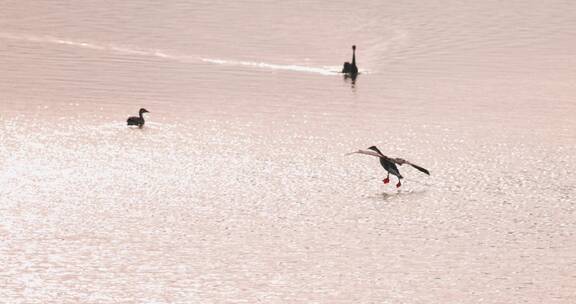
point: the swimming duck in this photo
(389, 164)
(137, 120)
(351, 68)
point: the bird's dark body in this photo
(135, 121)
(349, 68)
(390, 167)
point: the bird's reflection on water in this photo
(351, 78)
(398, 194)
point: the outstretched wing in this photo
(401, 161)
(371, 153)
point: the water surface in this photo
(238, 191)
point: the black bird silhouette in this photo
(137, 120)
(351, 68)
(389, 164)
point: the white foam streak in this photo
(263, 65)
(164, 55)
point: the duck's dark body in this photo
(137, 120)
(351, 68)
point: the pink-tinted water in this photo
(237, 190)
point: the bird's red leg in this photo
(387, 179)
(398, 184)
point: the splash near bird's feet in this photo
(398, 184)
(386, 180)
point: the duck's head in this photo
(354, 47)
(142, 111)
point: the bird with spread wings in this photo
(389, 164)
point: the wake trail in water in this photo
(164, 55)
(298, 68)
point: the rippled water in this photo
(237, 190)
